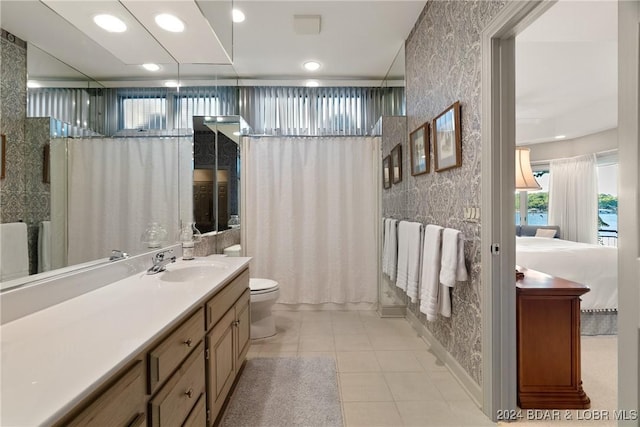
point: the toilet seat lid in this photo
(256, 284)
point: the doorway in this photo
(498, 250)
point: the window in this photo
(144, 113)
(608, 204)
(534, 204)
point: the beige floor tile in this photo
(288, 314)
(411, 386)
(364, 387)
(345, 316)
(429, 361)
(469, 414)
(439, 414)
(316, 316)
(369, 414)
(398, 361)
(389, 327)
(279, 348)
(316, 343)
(278, 354)
(368, 314)
(323, 354)
(316, 328)
(450, 389)
(352, 343)
(348, 327)
(394, 342)
(357, 361)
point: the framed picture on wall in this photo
(386, 172)
(419, 147)
(396, 164)
(447, 139)
(3, 155)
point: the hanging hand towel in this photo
(14, 252)
(430, 271)
(385, 246)
(392, 250)
(414, 257)
(44, 246)
(452, 267)
(403, 255)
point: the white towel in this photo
(414, 242)
(452, 266)
(44, 246)
(14, 252)
(385, 245)
(392, 249)
(430, 271)
(403, 255)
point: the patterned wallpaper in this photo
(443, 65)
(24, 197)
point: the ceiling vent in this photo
(306, 24)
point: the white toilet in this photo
(264, 293)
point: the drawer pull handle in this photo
(189, 393)
(188, 342)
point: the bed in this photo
(592, 265)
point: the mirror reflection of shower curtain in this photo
(117, 186)
(311, 216)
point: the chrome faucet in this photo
(160, 261)
(117, 254)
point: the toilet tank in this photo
(233, 250)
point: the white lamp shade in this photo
(524, 174)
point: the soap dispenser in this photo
(189, 235)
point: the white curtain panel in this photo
(312, 217)
(573, 198)
(117, 186)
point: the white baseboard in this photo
(473, 389)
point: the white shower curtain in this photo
(117, 186)
(312, 217)
(573, 198)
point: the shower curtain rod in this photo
(306, 136)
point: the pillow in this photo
(546, 232)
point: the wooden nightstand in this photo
(548, 340)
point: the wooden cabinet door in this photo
(243, 327)
(221, 364)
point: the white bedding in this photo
(592, 265)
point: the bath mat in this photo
(285, 391)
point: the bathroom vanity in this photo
(148, 350)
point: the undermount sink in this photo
(192, 271)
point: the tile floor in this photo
(386, 373)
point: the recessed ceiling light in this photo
(312, 83)
(171, 83)
(31, 84)
(237, 133)
(560, 136)
(237, 15)
(151, 67)
(170, 23)
(311, 65)
(110, 23)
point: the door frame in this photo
(498, 145)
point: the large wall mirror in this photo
(102, 121)
(216, 177)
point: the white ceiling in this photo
(357, 43)
(566, 72)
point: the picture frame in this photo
(386, 172)
(419, 148)
(447, 139)
(396, 164)
(3, 155)
(46, 178)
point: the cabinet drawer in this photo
(120, 405)
(219, 304)
(164, 358)
(178, 396)
(198, 416)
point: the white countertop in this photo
(55, 357)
